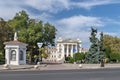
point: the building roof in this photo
(15, 42)
(60, 40)
(51, 48)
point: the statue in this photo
(15, 36)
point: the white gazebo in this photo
(15, 52)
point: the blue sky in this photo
(72, 18)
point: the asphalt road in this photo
(94, 74)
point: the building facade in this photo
(63, 49)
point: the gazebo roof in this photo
(16, 42)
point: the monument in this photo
(15, 52)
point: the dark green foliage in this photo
(96, 52)
(5, 33)
(79, 56)
(19, 21)
(113, 43)
(93, 55)
(31, 31)
(69, 59)
(101, 48)
(112, 47)
(2, 60)
(107, 52)
(49, 32)
(114, 57)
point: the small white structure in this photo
(15, 52)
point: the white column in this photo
(71, 51)
(7, 56)
(24, 55)
(67, 50)
(80, 48)
(76, 48)
(17, 56)
(63, 51)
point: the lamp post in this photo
(39, 45)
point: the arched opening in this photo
(13, 55)
(21, 56)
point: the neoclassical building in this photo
(63, 49)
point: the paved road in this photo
(88, 74)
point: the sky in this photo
(72, 18)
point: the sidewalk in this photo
(60, 67)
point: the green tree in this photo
(114, 57)
(49, 32)
(112, 45)
(107, 52)
(93, 55)
(79, 56)
(19, 21)
(5, 33)
(31, 31)
(70, 59)
(112, 42)
(44, 54)
(101, 47)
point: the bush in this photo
(69, 59)
(79, 56)
(2, 60)
(114, 57)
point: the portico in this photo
(70, 48)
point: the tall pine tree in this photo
(96, 51)
(101, 48)
(93, 55)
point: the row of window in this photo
(54, 56)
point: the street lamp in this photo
(39, 45)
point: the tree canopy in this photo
(112, 42)
(29, 30)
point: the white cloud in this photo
(8, 8)
(58, 5)
(78, 27)
(49, 5)
(81, 21)
(71, 33)
(44, 17)
(88, 4)
(111, 33)
(112, 21)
